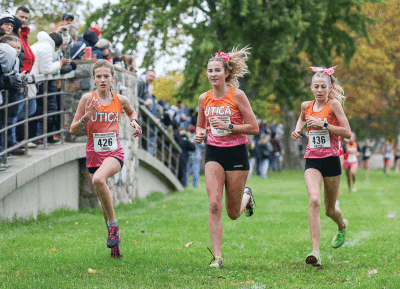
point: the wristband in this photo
(135, 120)
(83, 122)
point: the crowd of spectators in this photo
(266, 149)
(52, 53)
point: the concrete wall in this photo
(45, 180)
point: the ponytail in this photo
(235, 63)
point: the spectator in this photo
(143, 84)
(275, 156)
(16, 111)
(195, 157)
(151, 105)
(77, 50)
(29, 58)
(67, 18)
(182, 138)
(73, 32)
(272, 127)
(44, 51)
(6, 24)
(10, 67)
(263, 151)
(67, 41)
(182, 115)
(90, 38)
(97, 30)
(251, 148)
(129, 62)
(102, 49)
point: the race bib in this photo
(217, 131)
(319, 139)
(105, 142)
(352, 158)
(367, 152)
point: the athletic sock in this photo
(112, 224)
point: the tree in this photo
(372, 83)
(277, 30)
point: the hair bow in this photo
(224, 56)
(328, 71)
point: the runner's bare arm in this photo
(343, 130)
(301, 121)
(201, 121)
(131, 113)
(86, 108)
(251, 125)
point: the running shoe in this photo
(113, 237)
(338, 240)
(217, 263)
(251, 205)
(314, 258)
(116, 252)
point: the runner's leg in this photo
(235, 199)
(331, 194)
(108, 168)
(215, 180)
(313, 180)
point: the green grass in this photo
(269, 248)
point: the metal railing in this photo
(44, 117)
(158, 141)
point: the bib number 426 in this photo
(105, 142)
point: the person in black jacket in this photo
(182, 138)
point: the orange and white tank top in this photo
(103, 127)
(228, 111)
(352, 152)
(322, 143)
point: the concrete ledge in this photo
(154, 165)
(23, 169)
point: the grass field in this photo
(265, 251)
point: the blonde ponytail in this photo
(235, 64)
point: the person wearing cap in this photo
(6, 23)
(67, 18)
(97, 30)
(102, 49)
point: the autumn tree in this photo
(277, 30)
(372, 83)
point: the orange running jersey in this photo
(227, 110)
(102, 133)
(352, 152)
(322, 143)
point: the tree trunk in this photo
(291, 157)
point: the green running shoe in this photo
(338, 240)
(217, 263)
(251, 205)
(314, 258)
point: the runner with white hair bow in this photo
(328, 71)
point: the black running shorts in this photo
(328, 167)
(230, 158)
(92, 170)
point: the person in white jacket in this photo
(44, 64)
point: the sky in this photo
(163, 65)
